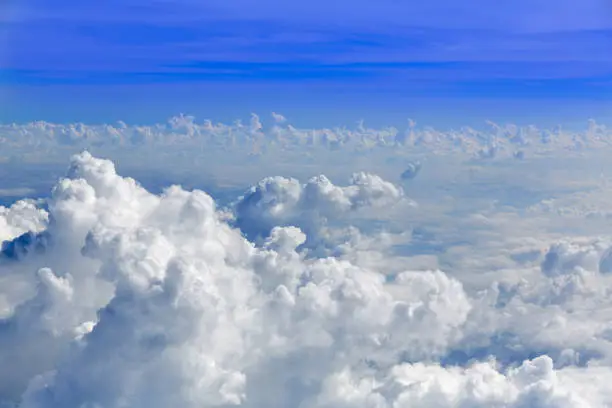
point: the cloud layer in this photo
(255, 138)
(113, 296)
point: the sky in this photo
(193, 213)
(319, 62)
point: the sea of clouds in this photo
(424, 269)
(186, 136)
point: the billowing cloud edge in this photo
(118, 297)
(494, 140)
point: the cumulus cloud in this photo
(120, 297)
(278, 118)
(411, 171)
(23, 216)
(534, 384)
(183, 131)
(279, 201)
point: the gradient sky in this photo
(317, 60)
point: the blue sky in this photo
(317, 60)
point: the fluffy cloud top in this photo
(279, 201)
(142, 300)
(184, 131)
(22, 217)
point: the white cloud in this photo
(21, 217)
(278, 118)
(534, 384)
(125, 298)
(185, 131)
(279, 201)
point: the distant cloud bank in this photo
(185, 132)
